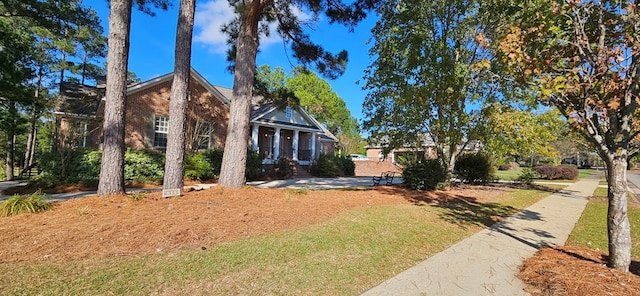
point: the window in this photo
(205, 129)
(288, 112)
(161, 131)
(80, 134)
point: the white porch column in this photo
(254, 137)
(276, 144)
(296, 138)
(313, 146)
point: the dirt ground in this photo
(122, 226)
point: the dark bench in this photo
(386, 177)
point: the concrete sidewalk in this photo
(487, 262)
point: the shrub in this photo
(527, 176)
(86, 164)
(197, 167)
(19, 204)
(428, 174)
(333, 166)
(83, 167)
(253, 169)
(563, 172)
(504, 167)
(45, 180)
(68, 167)
(254, 166)
(143, 166)
(474, 168)
(282, 169)
(214, 157)
(347, 165)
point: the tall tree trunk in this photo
(617, 220)
(234, 159)
(62, 68)
(31, 138)
(10, 142)
(112, 167)
(174, 165)
(10, 156)
(84, 68)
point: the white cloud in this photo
(210, 17)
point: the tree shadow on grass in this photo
(465, 211)
(458, 209)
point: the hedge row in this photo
(562, 172)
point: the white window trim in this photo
(157, 131)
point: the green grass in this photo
(591, 230)
(343, 256)
(513, 174)
(509, 175)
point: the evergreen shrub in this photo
(428, 174)
(197, 167)
(333, 166)
(474, 168)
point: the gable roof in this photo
(78, 100)
(259, 115)
(84, 100)
(169, 76)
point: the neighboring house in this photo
(79, 119)
(409, 152)
(376, 151)
(290, 133)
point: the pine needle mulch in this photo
(571, 270)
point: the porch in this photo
(273, 143)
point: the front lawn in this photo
(342, 255)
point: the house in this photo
(411, 152)
(291, 133)
(406, 152)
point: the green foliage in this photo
(326, 167)
(347, 165)
(282, 168)
(527, 176)
(333, 166)
(83, 167)
(313, 94)
(253, 166)
(88, 168)
(197, 167)
(67, 166)
(426, 76)
(19, 204)
(214, 157)
(510, 133)
(474, 168)
(428, 174)
(142, 166)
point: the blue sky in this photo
(153, 39)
